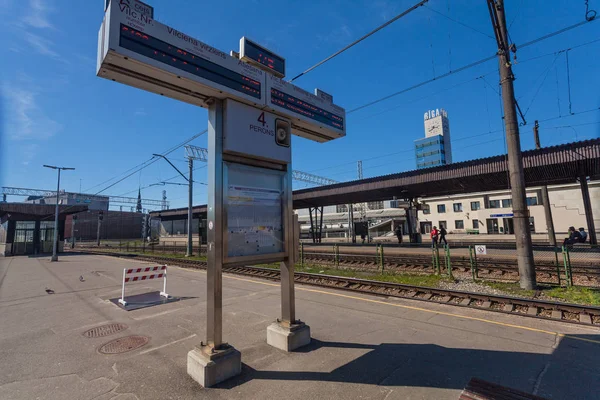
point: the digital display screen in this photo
(298, 106)
(264, 57)
(158, 50)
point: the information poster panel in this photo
(253, 201)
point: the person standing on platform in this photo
(434, 236)
(443, 235)
(398, 232)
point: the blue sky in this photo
(54, 110)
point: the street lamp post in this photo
(55, 240)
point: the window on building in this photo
(459, 224)
(507, 203)
(475, 206)
(532, 201)
(341, 208)
(426, 209)
(442, 224)
(531, 224)
(375, 205)
(475, 224)
(494, 204)
(441, 208)
(457, 207)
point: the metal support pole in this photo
(321, 225)
(353, 233)
(525, 260)
(73, 219)
(312, 227)
(190, 205)
(214, 278)
(587, 206)
(448, 260)
(567, 264)
(437, 260)
(545, 196)
(98, 233)
(555, 249)
(55, 239)
(122, 300)
(288, 300)
(302, 254)
(473, 275)
(381, 259)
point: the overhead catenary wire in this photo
(380, 27)
(144, 165)
(458, 22)
(465, 67)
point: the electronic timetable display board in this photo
(139, 51)
(258, 55)
(307, 111)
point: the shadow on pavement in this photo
(571, 371)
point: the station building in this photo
(491, 212)
(29, 228)
(93, 202)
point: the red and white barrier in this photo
(133, 275)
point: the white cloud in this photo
(40, 44)
(38, 14)
(338, 36)
(28, 153)
(25, 119)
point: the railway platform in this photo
(363, 346)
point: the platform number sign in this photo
(261, 119)
(480, 250)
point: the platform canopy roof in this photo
(32, 212)
(546, 166)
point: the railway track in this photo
(492, 268)
(495, 268)
(556, 311)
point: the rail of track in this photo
(534, 308)
(420, 263)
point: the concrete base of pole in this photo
(288, 338)
(54, 258)
(210, 368)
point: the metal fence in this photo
(568, 266)
(577, 265)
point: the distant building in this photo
(435, 148)
(491, 212)
(93, 202)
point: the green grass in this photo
(407, 279)
(577, 295)
(510, 288)
(195, 257)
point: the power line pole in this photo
(55, 240)
(527, 278)
(545, 196)
(190, 206)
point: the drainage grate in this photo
(104, 330)
(124, 344)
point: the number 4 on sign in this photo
(261, 118)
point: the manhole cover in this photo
(104, 330)
(124, 344)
